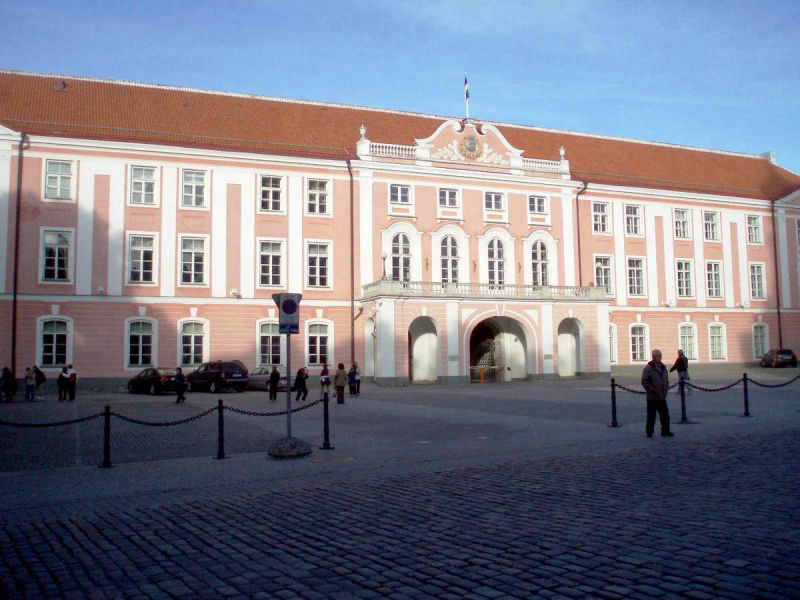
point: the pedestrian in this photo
(63, 384)
(30, 384)
(274, 380)
(72, 382)
(324, 380)
(180, 385)
(39, 379)
(358, 379)
(351, 379)
(655, 380)
(339, 380)
(682, 367)
(300, 384)
(9, 385)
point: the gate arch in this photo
(570, 347)
(423, 350)
(500, 342)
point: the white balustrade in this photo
(392, 150)
(385, 287)
(542, 166)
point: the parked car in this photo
(779, 358)
(218, 375)
(153, 381)
(259, 378)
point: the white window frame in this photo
(206, 205)
(724, 341)
(154, 343)
(403, 273)
(206, 259)
(717, 227)
(40, 321)
(763, 270)
(690, 278)
(688, 223)
(605, 218)
(452, 271)
(331, 347)
(73, 183)
(328, 197)
(329, 267)
(462, 240)
(281, 348)
(758, 229)
(457, 207)
(70, 232)
(695, 351)
(260, 190)
(503, 210)
(129, 261)
(156, 181)
(401, 209)
(500, 262)
(636, 219)
(544, 274)
(643, 281)
(613, 343)
(646, 349)
(282, 243)
(765, 327)
(206, 341)
(611, 288)
(720, 280)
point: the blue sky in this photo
(713, 74)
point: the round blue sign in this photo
(289, 306)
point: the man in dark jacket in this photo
(655, 381)
(274, 380)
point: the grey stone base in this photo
(289, 448)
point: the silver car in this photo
(259, 378)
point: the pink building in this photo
(150, 225)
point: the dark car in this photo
(779, 358)
(218, 375)
(152, 381)
(259, 378)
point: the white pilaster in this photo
(546, 329)
(603, 351)
(385, 339)
(699, 256)
(453, 352)
(568, 237)
(85, 233)
(219, 235)
(247, 237)
(116, 230)
(783, 259)
(727, 270)
(744, 269)
(620, 268)
(5, 227)
(169, 216)
(295, 205)
(651, 270)
(669, 262)
(365, 227)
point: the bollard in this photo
(326, 445)
(220, 431)
(682, 387)
(613, 404)
(746, 397)
(106, 439)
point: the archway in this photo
(570, 349)
(499, 342)
(423, 350)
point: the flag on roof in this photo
(466, 88)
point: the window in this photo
(759, 340)
(192, 339)
(602, 273)
(317, 344)
(448, 198)
(754, 229)
(638, 343)
(684, 269)
(612, 343)
(269, 257)
(714, 279)
(757, 282)
(193, 260)
(539, 263)
(688, 341)
(54, 343)
(269, 344)
(317, 197)
(318, 265)
(143, 185)
(496, 263)
(401, 258)
(716, 334)
(633, 219)
(194, 188)
(711, 226)
(537, 205)
(141, 249)
(140, 344)
(270, 193)
(635, 277)
(683, 228)
(493, 201)
(449, 259)
(58, 180)
(399, 194)
(56, 255)
(600, 217)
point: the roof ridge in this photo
(379, 110)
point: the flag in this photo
(466, 88)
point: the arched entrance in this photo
(499, 342)
(423, 350)
(570, 350)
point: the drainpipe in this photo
(352, 272)
(584, 185)
(16, 256)
(777, 276)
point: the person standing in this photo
(30, 384)
(655, 380)
(351, 379)
(340, 380)
(9, 385)
(300, 384)
(72, 382)
(63, 384)
(682, 367)
(39, 378)
(358, 379)
(180, 385)
(274, 380)
(324, 380)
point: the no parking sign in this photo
(289, 308)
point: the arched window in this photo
(688, 340)
(401, 258)
(317, 344)
(716, 341)
(496, 263)
(638, 343)
(269, 344)
(192, 341)
(140, 344)
(449, 259)
(539, 263)
(54, 343)
(760, 338)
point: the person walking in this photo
(63, 384)
(39, 378)
(300, 384)
(324, 380)
(655, 380)
(340, 380)
(72, 382)
(358, 379)
(9, 385)
(274, 380)
(682, 367)
(180, 385)
(351, 379)
(30, 384)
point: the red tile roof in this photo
(121, 111)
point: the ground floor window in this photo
(717, 341)
(140, 344)
(269, 342)
(317, 344)
(192, 340)
(54, 343)
(638, 343)
(612, 343)
(759, 340)
(688, 341)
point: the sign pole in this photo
(288, 386)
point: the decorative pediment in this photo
(467, 141)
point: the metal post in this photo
(613, 403)
(220, 430)
(682, 387)
(288, 386)
(746, 397)
(107, 438)
(326, 445)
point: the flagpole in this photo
(466, 95)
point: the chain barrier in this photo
(270, 414)
(777, 385)
(55, 424)
(627, 389)
(165, 424)
(720, 389)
